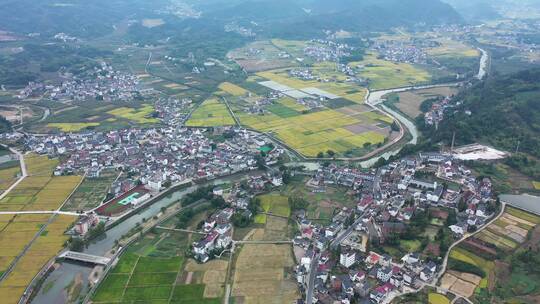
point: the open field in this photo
(260, 56)
(153, 270)
(382, 74)
(46, 246)
(140, 116)
(435, 298)
(409, 102)
(344, 131)
(453, 48)
(8, 176)
(95, 116)
(321, 205)
(91, 192)
(262, 273)
(211, 113)
(274, 204)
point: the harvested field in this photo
(259, 275)
(410, 101)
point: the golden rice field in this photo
(233, 89)
(72, 127)
(40, 190)
(140, 116)
(383, 74)
(536, 185)
(45, 248)
(40, 165)
(317, 132)
(211, 113)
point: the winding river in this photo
(376, 99)
(55, 287)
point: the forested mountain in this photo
(504, 111)
(311, 17)
(95, 18)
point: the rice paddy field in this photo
(72, 127)
(154, 270)
(211, 113)
(342, 131)
(140, 116)
(8, 176)
(45, 247)
(90, 115)
(262, 273)
(274, 204)
(382, 74)
(40, 191)
(488, 250)
(233, 89)
(29, 241)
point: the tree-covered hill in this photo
(504, 111)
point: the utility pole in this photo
(517, 147)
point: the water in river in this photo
(54, 289)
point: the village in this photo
(351, 258)
(101, 83)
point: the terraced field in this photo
(488, 251)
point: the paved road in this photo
(180, 230)
(311, 280)
(346, 233)
(40, 212)
(23, 171)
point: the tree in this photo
(261, 163)
(320, 155)
(462, 205)
(297, 203)
(5, 125)
(367, 145)
(76, 244)
(394, 126)
(96, 232)
(240, 221)
(331, 153)
(218, 202)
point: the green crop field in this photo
(211, 113)
(91, 192)
(154, 270)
